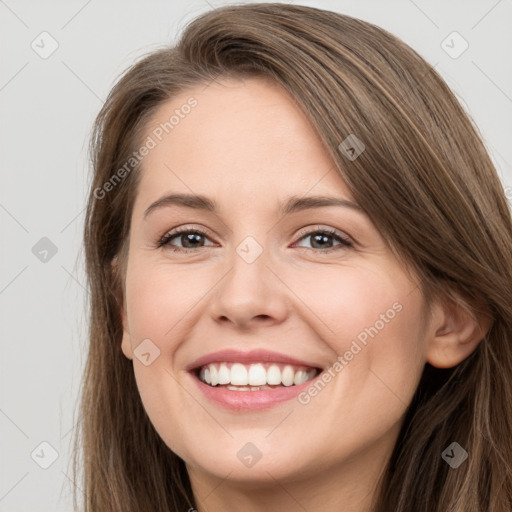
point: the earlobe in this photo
(455, 334)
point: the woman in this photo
(300, 267)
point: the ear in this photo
(455, 333)
(126, 344)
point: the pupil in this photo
(191, 237)
(323, 239)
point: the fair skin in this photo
(247, 147)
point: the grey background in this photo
(48, 106)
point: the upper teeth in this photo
(258, 374)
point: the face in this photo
(312, 287)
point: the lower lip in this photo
(250, 400)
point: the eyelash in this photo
(344, 242)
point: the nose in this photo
(249, 295)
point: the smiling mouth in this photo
(254, 376)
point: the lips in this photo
(241, 398)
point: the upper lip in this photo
(253, 356)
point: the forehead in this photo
(232, 136)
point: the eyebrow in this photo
(292, 205)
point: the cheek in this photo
(349, 301)
(160, 299)
(373, 323)
(168, 405)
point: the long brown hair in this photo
(424, 178)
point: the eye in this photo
(324, 239)
(190, 240)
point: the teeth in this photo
(300, 377)
(287, 376)
(254, 377)
(224, 374)
(214, 375)
(274, 375)
(257, 375)
(238, 375)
